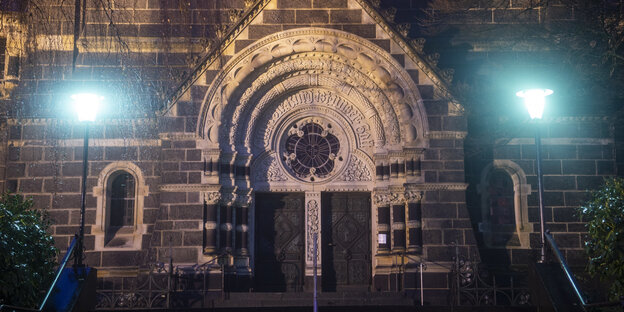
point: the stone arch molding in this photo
(521, 192)
(100, 192)
(245, 95)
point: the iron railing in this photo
(162, 287)
(475, 286)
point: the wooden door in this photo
(280, 238)
(346, 241)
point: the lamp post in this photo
(86, 105)
(534, 100)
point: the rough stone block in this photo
(193, 155)
(432, 237)
(559, 151)
(259, 31)
(558, 183)
(311, 16)
(286, 4)
(62, 185)
(172, 197)
(573, 199)
(186, 212)
(452, 154)
(585, 167)
(605, 167)
(568, 240)
(454, 123)
(431, 210)
(329, 3)
(507, 151)
(451, 176)
(426, 92)
(345, 16)
(27, 153)
(30, 185)
(16, 170)
(565, 215)
(278, 16)
(553, 198)
(121, 153)
(193, 238)
(119, 258)
(174, 178)
(590, 151)
(173, 155)
(589, 182)
(43, 169)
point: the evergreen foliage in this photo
(604, 215)
(27, 252)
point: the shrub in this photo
(27, 252)
(604, 215)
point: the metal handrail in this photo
(571, 279)
(59, 271)
(564, 266)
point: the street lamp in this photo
(86, 105)
(534, 100)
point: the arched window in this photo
(504, 211)
(120, 196)
(501, 211)
(122, 199)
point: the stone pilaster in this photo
(313, 225)
(211, 201)
(414, 221)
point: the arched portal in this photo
(325, 114)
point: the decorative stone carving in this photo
(357, 171)
(212, 197)
(404, 29)
(384, 199)
(270, 171)
(412, 196)
(390, 84)
(418, 44)
(313, 226)
(227, 198)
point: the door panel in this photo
(279, 254)
(346, 241)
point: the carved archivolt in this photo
(338, 55)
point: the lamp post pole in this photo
(540, 187)
(86, 105)
(83, 196)
(534, 100)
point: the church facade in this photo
(308, 133)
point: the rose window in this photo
(311, 151)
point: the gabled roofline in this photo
(430, 71)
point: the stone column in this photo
(414, 221)
(313, 225)
(243, 200)
(226, 219)
(211, 200)
(383, 222)
(397, 203)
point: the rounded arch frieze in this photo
(300, 75)
(360, 56)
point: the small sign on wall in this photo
(381, 238)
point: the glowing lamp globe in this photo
(86, 105)
(534, 100)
